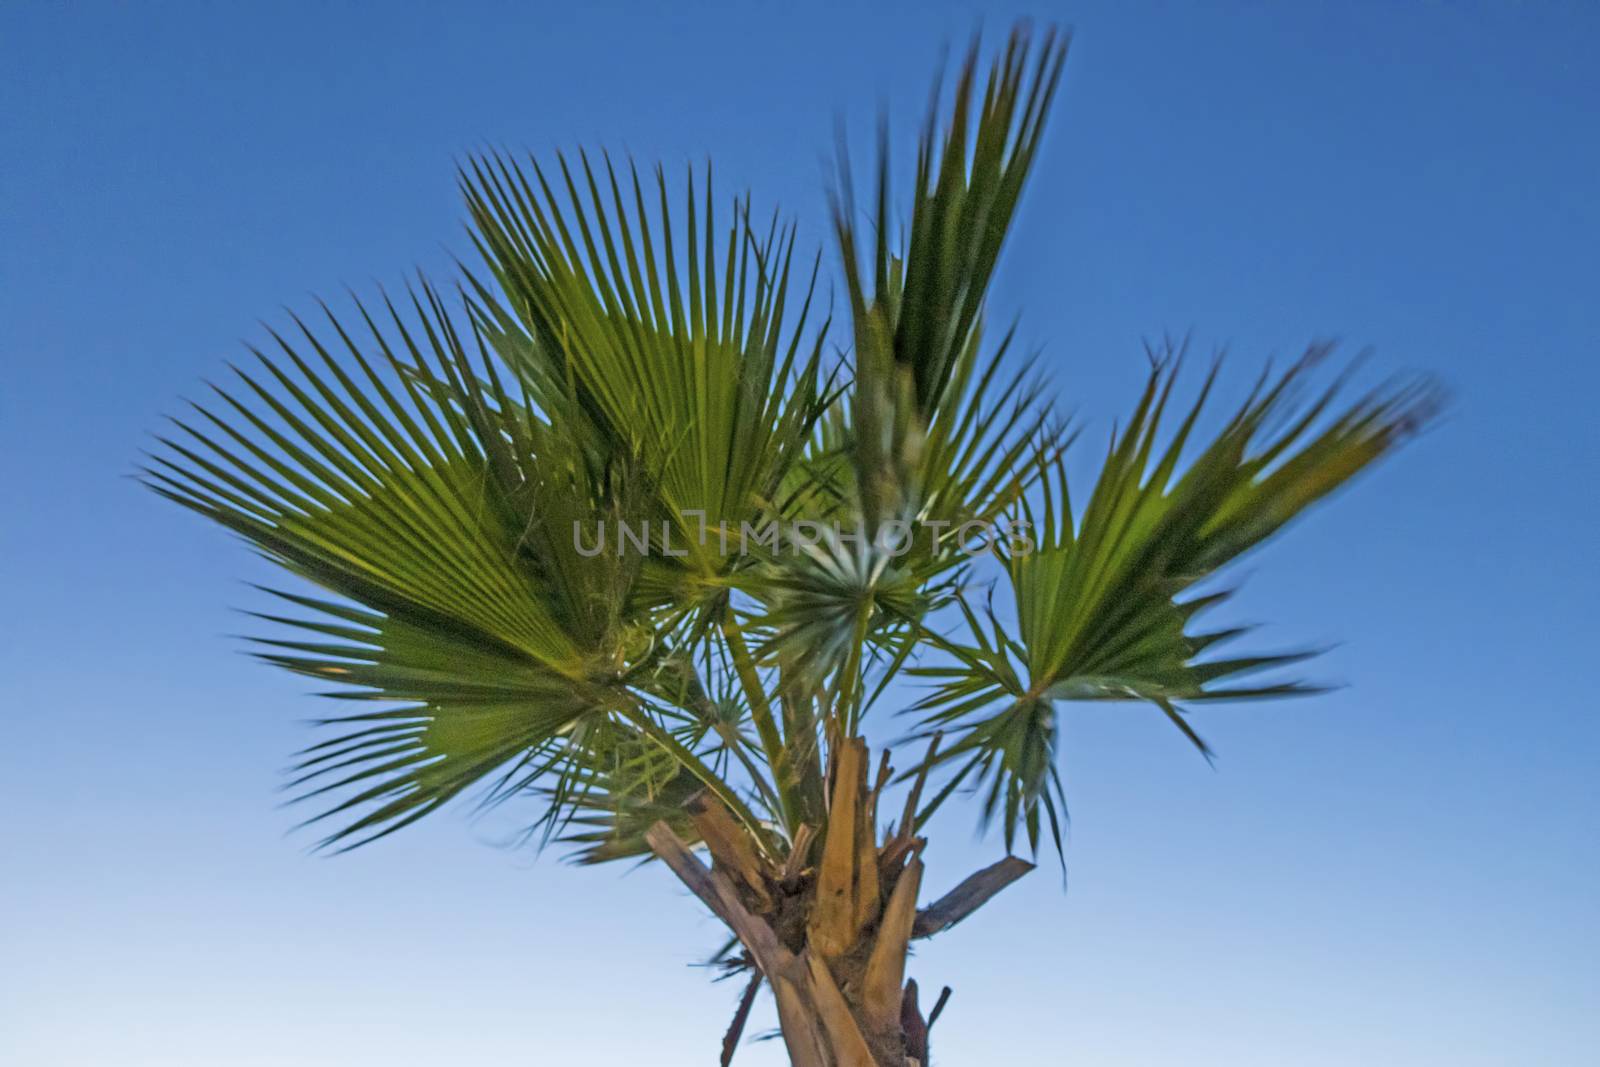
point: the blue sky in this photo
(1402, 872)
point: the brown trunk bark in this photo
(831, 937)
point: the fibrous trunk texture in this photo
(830, 933)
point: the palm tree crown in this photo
(628, 526)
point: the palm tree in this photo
(627, 527)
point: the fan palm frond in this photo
(436, 508)
(683, 356)
(1105, 604)
(917, 310)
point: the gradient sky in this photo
(1400, 873)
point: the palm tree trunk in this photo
(831, 935)
(823, 1028)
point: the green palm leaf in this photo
(932, 433)
(1105, 605)
(438, 510)
(682, 357)
(917, 310)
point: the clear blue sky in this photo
(1401, 873)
